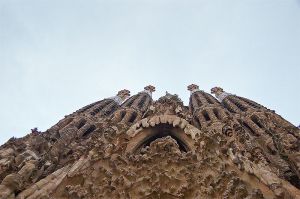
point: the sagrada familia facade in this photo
(225, 146)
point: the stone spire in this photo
(219, 93)
(135, 106)
(205, 109)
(199, 98)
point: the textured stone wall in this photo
(142, 148)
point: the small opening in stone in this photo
(249, 128)
(216, 112)
(292, 178)
(89, 131)
(133, 117)
(256, 121)
(110, 110)
(123, 113)
(81, 124)
(196, 122)
(206, 116)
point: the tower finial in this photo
(149, 89)
(121, 96)
(219, 93)
(217, 90)
(193, 88)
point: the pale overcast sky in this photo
(59, 55)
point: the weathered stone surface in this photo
(142, 148)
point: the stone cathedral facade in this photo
(135, 147)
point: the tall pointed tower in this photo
(137, 147)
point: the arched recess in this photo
(161, 129)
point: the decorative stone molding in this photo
(158, 126)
